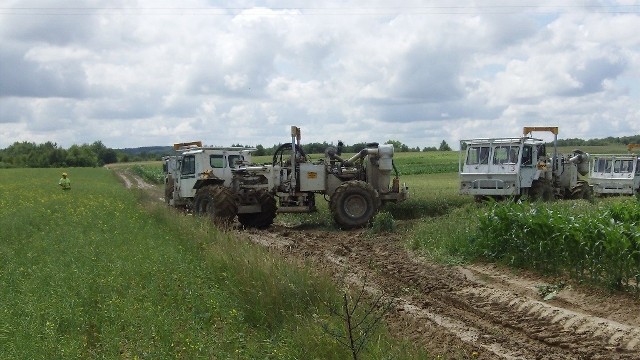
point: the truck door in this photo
(187, 176)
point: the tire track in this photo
(472, 317)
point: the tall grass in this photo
(430, 196)
(88, 273)
(446, 238)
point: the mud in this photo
(475, 311)
(478, 311)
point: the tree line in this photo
(623, 140)
(49, 154)
(319, 148)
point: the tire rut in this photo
(467, 317)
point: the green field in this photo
(104, 272)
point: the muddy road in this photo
(477, 311)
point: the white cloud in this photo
(153, 73)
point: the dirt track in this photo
(475, 311)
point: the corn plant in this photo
(600, 246)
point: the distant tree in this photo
(430, 148)
(103, 154)
(398, 146)
(354, 148)
(444, 146)
(315, 148)
(81, 156)
(260, 151)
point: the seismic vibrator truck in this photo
(223, 182)
(615, 174)
(522, 166)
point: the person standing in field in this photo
(65, 182)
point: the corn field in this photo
(594, 245)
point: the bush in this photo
(383, 222)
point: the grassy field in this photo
(102, 272)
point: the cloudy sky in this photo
(141, 73)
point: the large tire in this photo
(581, 190)
(353, 204)
(216, 202)
(265, 217)
(541, 190)
(168, 189)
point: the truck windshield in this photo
(505, 154)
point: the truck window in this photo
(505, 155)
(188, 165)
(602, 165)
(527, 155)
(478, 155)
(623, 166)
(233, 159)
(216, 161)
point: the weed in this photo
(383, 222)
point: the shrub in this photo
(383, 222)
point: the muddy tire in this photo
(541, 190)
(353, 204)
(168, 189)
(265, 217)
(581, 190)
(216, 202)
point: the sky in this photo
(152, 73)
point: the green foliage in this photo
(549, 292)
(89, 273)
(383, 222)
(446, 238)
(596, 245)
(50, 155)
(431, 162)
(151, 173)
(444, 146)
(623, 140)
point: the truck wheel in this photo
(168, 189)
(353, 204)
(264, 218)
(581, 191)
(216, 202)
(541, 190)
